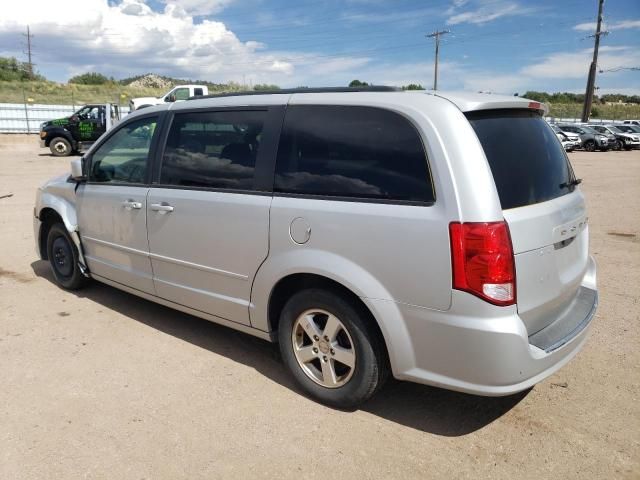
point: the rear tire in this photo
(343, 333)
(63, 258)
(60, 147)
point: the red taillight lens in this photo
(482, 260)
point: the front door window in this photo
(123, 157)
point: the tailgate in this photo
(551, 244)
(544, 210)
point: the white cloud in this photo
(129, 38)
(556, 66)
(591, 26)
(576, 64)
(200, 7)
(485, 11)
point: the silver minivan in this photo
(440, 238)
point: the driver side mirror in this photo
(76, 170)
(172, 97)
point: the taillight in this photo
(482, 261)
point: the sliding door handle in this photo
(163, 207)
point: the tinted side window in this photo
(349, 151)
(123, 157)
(197, 92)
(213, 149)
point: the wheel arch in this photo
(53, 133)
(273, 287)
(48, 217)
(53, 209)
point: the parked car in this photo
(176, 94)
(441, 238)
(632, 122)
(591, 140)
(570, 141)
(633, 129)
(624, 140)
(77, 132)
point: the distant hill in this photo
(152, 80)
(149, 80)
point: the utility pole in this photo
(28, 52)
(591, 80)
(437, 34)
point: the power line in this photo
(437, 34)
(618, 69)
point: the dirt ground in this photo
(102, 384)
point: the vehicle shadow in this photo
(428, 409)
(50, 155)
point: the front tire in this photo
(60, 147)
(332, 350)
(63, 258)
(590, 146)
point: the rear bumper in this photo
(478, 348)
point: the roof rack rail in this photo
(285, 91)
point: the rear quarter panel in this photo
(388, 252)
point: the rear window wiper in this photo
(571, 183)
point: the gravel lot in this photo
(101, 384)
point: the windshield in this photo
(588, 130)
(615, 129)
(528, 163)
(626, 129)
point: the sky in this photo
(501, 46)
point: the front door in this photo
(88, 123)
(112, 206)
(208, 222)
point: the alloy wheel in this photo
(323, 348)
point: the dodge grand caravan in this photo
(441, 238)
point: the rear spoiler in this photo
(467, 102)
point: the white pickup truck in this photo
(177, 93)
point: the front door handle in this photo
(163, 207)
(131, 205)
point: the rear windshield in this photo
(528, 162)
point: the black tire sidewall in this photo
(369, 371)
(76, 279)
(590, 146)
(54, 152)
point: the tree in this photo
(537, 96)
(11, 69)
(413, 86)
(260, 87)
(358, 83)
(91, 78)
